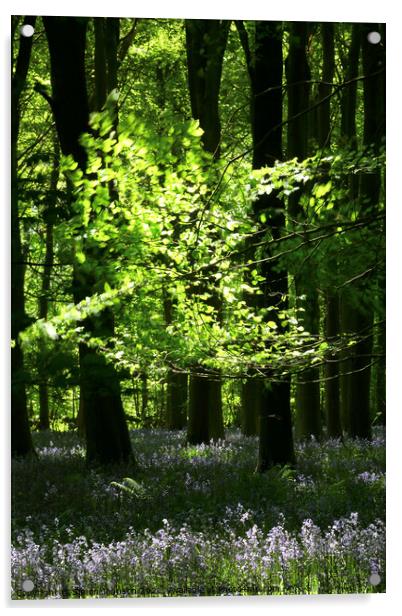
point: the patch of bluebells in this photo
(367, 477)
(230, 531)
(182, 561)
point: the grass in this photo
(198, 520)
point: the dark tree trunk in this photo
(107, 436)
(144, 396)
(298, 87)
(356, 319)
(332, 388)
(21, 440)
(276, 441)
(205, 43)
(198, 416)
(81, 417)
(275, 424)
(332, 326)
(251, 395)
(176, 402)
(177, 382)
(308, 412)
(107, 31)
(380, 381)
(348, 136)
(270, 399)
(369, 195)
(325, 87)
(44, 423)
(100, 63)
(349, 92)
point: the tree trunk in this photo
(205, 44)
(348, 137)
(176, 402)
(308, 412)
(251, 395)
(380, 381)
(45, 287)
(276, 441)
(332, 325)
(144, 397)
(81, 417)
(349, 93)
(107, 436)
(21, 440)
(332, 389)
(271, 400)
(198, 416)
(369, 195)
(177, 382)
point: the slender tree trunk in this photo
(144, 396)
(177, 382)
(251, 395)
(267, 404)
(45, 287)
(332, 325)
(308, 412)
(251, 392)
(380, 382)
(81, 417)
(348, 137)
(206, 43)
(21, 440)
(198, 418)
(332, 389)
(369, 195)
(176, 400)
(107, 436)
(275, 424)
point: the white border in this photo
(309, 10)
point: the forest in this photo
(197, 307)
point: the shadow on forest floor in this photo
(201, 486)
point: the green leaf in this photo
(322, 189)
(49, 330)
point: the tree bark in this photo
(308, 411)
(369, 195)
(176, 382)
(176, 402)
(205, 44)
(251, 396)
(331, 325)
(106, 432)
(349, 139)
(380, 381)
(271, 400)
(44, 423)
(21, 440)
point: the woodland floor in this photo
(198, 520)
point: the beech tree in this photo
(205, 45)
(369, 196)
(21, 441)
(270, 399)
(106, 431)
(308, 411)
